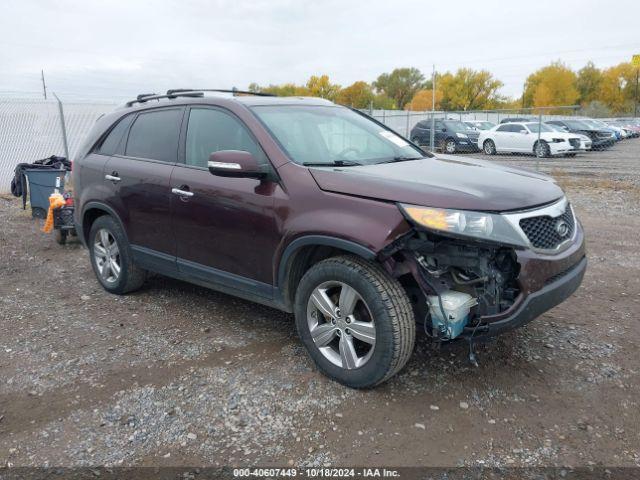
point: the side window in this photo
(154, 135)
(504, 128)
(438, 125)
(210, 130)
(110, 143)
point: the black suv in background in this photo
(451, 136)
(600, 138)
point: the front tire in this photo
(541, 149)
(355, 321)
(449, 146)
(111, 257)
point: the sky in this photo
(113, 50)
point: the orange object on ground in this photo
(56, 200)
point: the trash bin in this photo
(42, 182)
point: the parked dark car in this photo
(451, 136)
(321, 211)
(600, 138)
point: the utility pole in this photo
(44, 87)
(635, 105)
(433, 108)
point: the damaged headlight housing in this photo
(467, 223)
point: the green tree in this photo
(553, 85)
(357, 95)
(468, 89)
(588, 83)
(401, 84)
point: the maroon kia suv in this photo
(319, 210)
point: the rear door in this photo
(138, 179)
(226, 228)
(502, 137)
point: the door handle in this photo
(113, 177)
(181, 193)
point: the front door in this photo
(225, 228)
(139, 179)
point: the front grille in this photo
(574, 142)
(547, 232)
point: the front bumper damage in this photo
(524, 283)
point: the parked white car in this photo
(523, 138)
(585, 142)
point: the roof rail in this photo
(146, 97)
(235, 91)
(190, 92)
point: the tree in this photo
(423, 100)
(284, 90)
(595, 109)
(553, 85)
(588, 83)
(321, 86)
(357, 95)
(468, 89)
(382, 102)
(617, 89)
(400, 85)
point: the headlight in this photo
(462, 135)
(486, 226)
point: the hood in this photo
(445, 182)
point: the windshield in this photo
(456, 126)
(555, 128)
(577, 124)
(333, 135)
(534, 127)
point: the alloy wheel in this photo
(451, 146)
(107, 256)
(341, 325)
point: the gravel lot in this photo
(179, 375)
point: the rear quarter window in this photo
(154, 135)
(110, 143)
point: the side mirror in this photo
(234, 163)
(444, 129)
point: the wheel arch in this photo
(90, 213)
(304, 252)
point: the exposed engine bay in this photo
(465, 280)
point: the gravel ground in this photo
(179, 375)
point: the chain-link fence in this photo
(543, 132)
(31, 129)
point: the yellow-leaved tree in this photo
(357, 95)
(468, 89)
(618, 86)
(423, 100)
(553, 85)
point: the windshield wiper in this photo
(402, 159)
(335, 163)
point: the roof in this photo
(221, 99)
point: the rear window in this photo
(154, 135)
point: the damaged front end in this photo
(457, 283)
(472, 274)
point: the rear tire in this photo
(111, 257)
(489, 147)
(380, 350)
